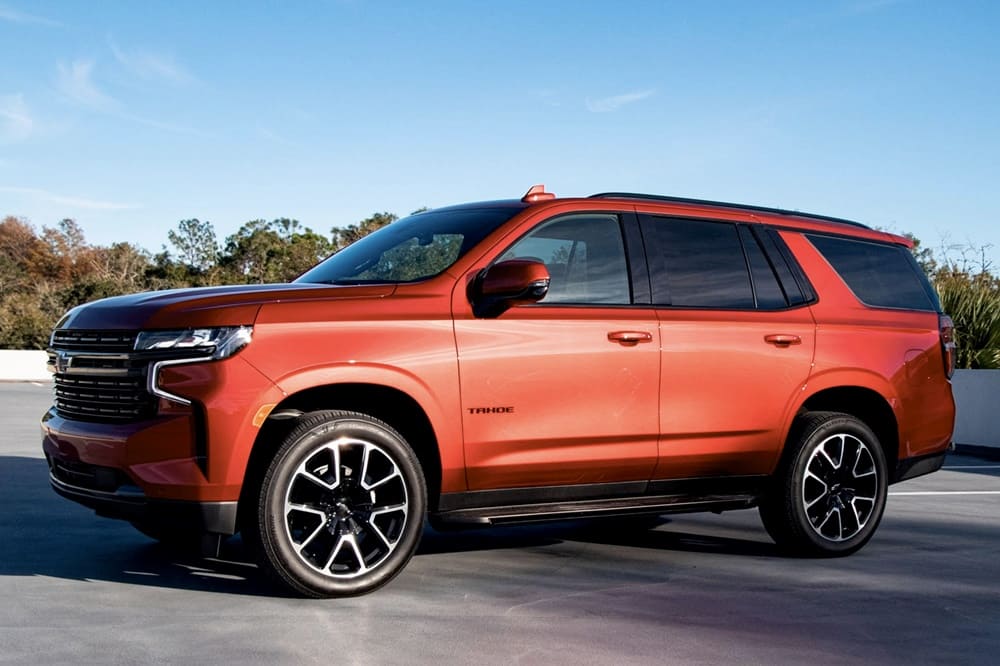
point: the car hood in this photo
(204, 306)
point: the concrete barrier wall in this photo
(977, 395)
(977, 398)
(23, 366)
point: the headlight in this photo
(219, 342)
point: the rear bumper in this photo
(909, 468)
(128, 502)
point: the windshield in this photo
(411, 249)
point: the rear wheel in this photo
(341, 506)
(828, 495)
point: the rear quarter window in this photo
(880, 275)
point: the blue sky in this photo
(130, 116)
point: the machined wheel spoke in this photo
(840, 459)
(352, 541)
(372, 527)
(810, 475)
(380, 482)
(844, 468)
(334, 553)
(346, 507)
(870, 472)
(299, 546)
(388, 509)
(334, 466)
(857, 514)
(312, 478)
(305, 508)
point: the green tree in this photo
(344, 236)
(195, 244)
(973, 302)
(970, 295)
(275, 251)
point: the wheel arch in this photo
(863, 402)
(386, 403)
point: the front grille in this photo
(99, 378)
(94, 341)
(100, 398)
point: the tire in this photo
(828, 494)
(341, 507)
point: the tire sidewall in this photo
(847, 425)
(301, 443)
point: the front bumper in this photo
(107, 491)
(191, 453)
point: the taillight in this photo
(947, 328)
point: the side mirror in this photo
(509, 283)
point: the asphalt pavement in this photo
(706, 589)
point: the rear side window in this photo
(697, 264)
(883, 276)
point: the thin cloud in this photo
(609, 104)
(15, 16)
(16, 123)
(75, 81)
(73, 202)
(147, 65)
(160, 125)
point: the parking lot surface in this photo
(696, 589)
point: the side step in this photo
(533, 513)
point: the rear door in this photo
(735, 350)
(564, 391)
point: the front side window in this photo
(585, 257)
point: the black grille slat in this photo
(100, 379)
(96, 341)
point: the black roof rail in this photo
(724, 204)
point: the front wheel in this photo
(341, 506)
(828, 495)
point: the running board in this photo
(599, 508)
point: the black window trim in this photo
(747, 235)
(805, 289)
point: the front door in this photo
(564, 391)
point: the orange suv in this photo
(508, 362)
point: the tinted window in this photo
(415, 248)
(585, 257)
(793, 280)
(697, 264)
(880, 275)
(766, 289)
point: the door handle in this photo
(630, 338)
(782, 339)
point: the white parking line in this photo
(972, 467)
(943, 492)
